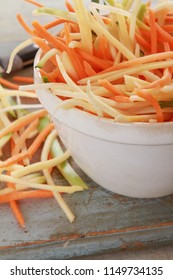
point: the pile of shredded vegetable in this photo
(26, 173)
(113, 60)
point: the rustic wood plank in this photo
(105, 221)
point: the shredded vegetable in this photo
(24, 174)
(105, 44)
(113, 60)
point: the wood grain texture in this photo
(105, 222)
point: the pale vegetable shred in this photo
(114, 61)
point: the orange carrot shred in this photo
(20, 195)
(8, 84)
(22, 79)
(14, 159)
(43, 33)
(78, 66)
(16, 125)
(110, 87)
(88, 69)
(103, 50)
(137, 61)
(164, 36)
(12, 144)
(54, 23)
(24, 136)
(149, 98)
(69, 6)
(153, 33)
(169, 19)
(67, 33)
(168, 28)
(106, 20)
(15, 208)
(96, 62)
(48, 76)
(34, 3)
(145, 46)
(44, 47)
(121, 98)
(53, 76)
(24, 25)
(39, 140)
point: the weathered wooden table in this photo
(107, 225)
(105, 222)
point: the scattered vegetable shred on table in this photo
(114, 61)
(23, 130)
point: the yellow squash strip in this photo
(44, 155)
(40, 165)
(63, 189)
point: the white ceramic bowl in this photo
(132, 159)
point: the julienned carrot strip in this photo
(145, 33)
(44, 47)
(149, 98)
(164, 36)
(34, 3)
(14, 159)
(61, 34)
(166, 47)
(54, 23)
(19, 217)
(48, 76)
(96, 62)
(169, 19)
(43, 33)
(74, 27)
(24, 25)
(19, 195)
(39, 140)
(168, 27)
(67, 34)
(77, 64)
(8, 84)
(22, 122)
(153, 32)
(103, 49)
(110, 87)
(88, 69)
(12, 144)
(121, 98)
(53, 76)
(106, 20)
(24, 136)
(100, 48)
(142, 42)
(69, 6)
(108, 55)
(167, 73)
(166, 78)
(22, 79)
(140, 60)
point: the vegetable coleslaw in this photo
(112, 60)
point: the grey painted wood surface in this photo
(106, 225)
(105, 222)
